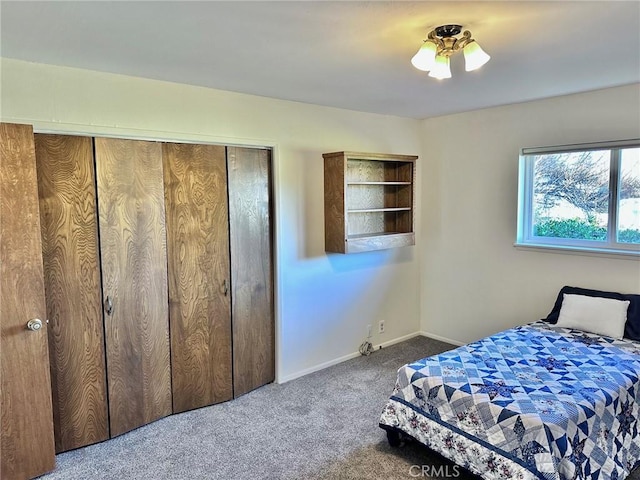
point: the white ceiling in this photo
(348, 54)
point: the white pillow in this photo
(604, 316)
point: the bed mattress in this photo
(535, 401)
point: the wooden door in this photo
(134, 281)
(68, 218)
(27, 445)
(195, 178)
(249, 176)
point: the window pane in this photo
(629, 196)
(571, 195)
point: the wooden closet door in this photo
(27, 444)
(195, 178)
(134, 279)
(249, 174)
(69, 223)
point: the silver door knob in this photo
(34, 325)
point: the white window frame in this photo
(525, 237)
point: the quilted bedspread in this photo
(534, 401)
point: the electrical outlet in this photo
(381, 326)
(368, 331)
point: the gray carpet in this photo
(322, 426)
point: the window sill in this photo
(592, 252)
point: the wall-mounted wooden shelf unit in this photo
(368, 201)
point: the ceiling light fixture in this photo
(441, 43)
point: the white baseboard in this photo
(315, 368)
(344, 358)
(442, 339)
(397, 340)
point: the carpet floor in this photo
(323, 426)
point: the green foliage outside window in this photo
(580, 229)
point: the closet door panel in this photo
(198, 252)
(251, 267)
(134, 276)
(27, 441)
(69, 224)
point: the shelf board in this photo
(375, 234)
(373, 210)
(379, 183)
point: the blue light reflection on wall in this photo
(336, 297)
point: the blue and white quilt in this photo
(534, 401)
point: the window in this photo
(581, 197)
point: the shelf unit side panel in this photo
(405, 197)
(335, 221)
(399, 222)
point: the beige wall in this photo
(324, 302)
(474, 282)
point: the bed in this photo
(536, 401)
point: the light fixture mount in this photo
(448, 30)
(441, 43)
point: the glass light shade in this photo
(425, 59)
(441, 69)
(474, 56)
